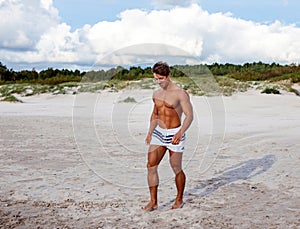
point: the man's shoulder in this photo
(182, 95)
(180, 91)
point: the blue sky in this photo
(78, 34)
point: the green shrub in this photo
(129, 100)
(270, 90)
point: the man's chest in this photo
(169, 101)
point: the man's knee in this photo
(153, 179)
(176, 169)
(176, 166)
(150, 165)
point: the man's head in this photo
(161, 68)
(161, 73)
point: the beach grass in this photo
(11, 98)
(200, 86)
(128, 100)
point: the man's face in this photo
(161, 80)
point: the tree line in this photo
(49, 76)
(255, 71)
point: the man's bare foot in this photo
(150, 207)
(177, 204)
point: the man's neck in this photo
(169, 87)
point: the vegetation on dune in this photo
(270, 90)
(11, 98)
(128, 100)
(211, 79)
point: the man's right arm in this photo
(153, 124)
(153, 119)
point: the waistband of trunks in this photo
(174, 130)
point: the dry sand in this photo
(71, 161)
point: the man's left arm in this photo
(187, 109)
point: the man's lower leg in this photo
(153, 186)
(180, 184)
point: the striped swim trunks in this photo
(163, 137)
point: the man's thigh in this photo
(156, 154)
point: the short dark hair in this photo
(161, 68)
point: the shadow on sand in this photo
(241, 171)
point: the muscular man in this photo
(166, 132)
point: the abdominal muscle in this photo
(169, 118)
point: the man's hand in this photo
(148, 138)
(177, 138)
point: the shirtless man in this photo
(167, 133)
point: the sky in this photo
(83, 34)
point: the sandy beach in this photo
(79, 161)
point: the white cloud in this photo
(212, 37)
(47, 4)
(24, 21)
(145, 54)
(36, 36)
